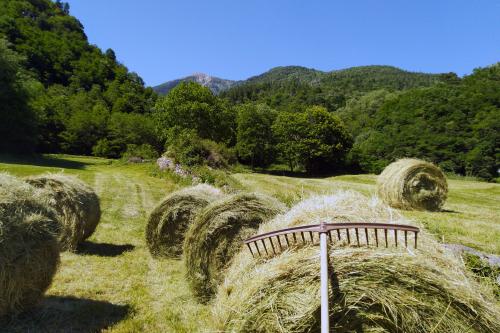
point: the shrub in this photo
(187, 148)
(144, 151)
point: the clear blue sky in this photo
(162, 40)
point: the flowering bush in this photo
(165, 163)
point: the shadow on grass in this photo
(103, 249)
(303, 174)
(68, 314)
(449, 211)
(42, 160)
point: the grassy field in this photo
(114, 285)
(471, 214)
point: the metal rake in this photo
(353, 233)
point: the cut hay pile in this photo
(413, 184)
(29, 250)
(217, 234)
(372, 290)
(76, 204)
(168, 222)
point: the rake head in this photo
(356, 234)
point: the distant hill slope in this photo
(286, 73)
(215, 84)
(292, 87)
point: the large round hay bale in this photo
(76, 204)
(29, 250)
(413, 184)
(168, 222)
(371, 289)
(217, 233)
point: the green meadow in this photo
(113, 284)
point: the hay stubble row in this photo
(174, 311)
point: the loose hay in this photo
(76, 204)
(372, 290)
(413, 184)
(29, 250)
(217, 234)
(168, 222)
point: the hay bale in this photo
(168, 222)
(217, 234)
(413, 184)
(372, 290)
(76, 204)
(29, 250)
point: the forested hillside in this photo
(455, 123)
(293, 87)
(71, 96)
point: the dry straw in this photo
(413, 184)
(372, 290)
(168, 222)
(76, 204)
(217, 234)
(29, 250)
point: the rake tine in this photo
(311, 235)
(250, 250)
(357, 235)
(366, 235)
(279, 242)
(338, 234)
(406, 238)
(294, 238)
(286, 238)
(330, 236)
(376, 236)
(257, 247)
(302, 235)
(396, 236)
(386, 243)
(348, 236)
(416, 234)
(265, 248)
(272, 244)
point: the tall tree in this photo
(255, 138)
(18, 125)
(316, 139)
(192, 106)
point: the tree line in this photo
(58, 93)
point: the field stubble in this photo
(112, 284)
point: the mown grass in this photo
(471, 214)
(114, 285)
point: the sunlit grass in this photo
(471, 216)
(115, 285)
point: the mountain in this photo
(215, 84)
(292, 87)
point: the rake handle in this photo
(325, 319)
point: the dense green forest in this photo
(58, 93)
(292, 88)
(70, 96)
